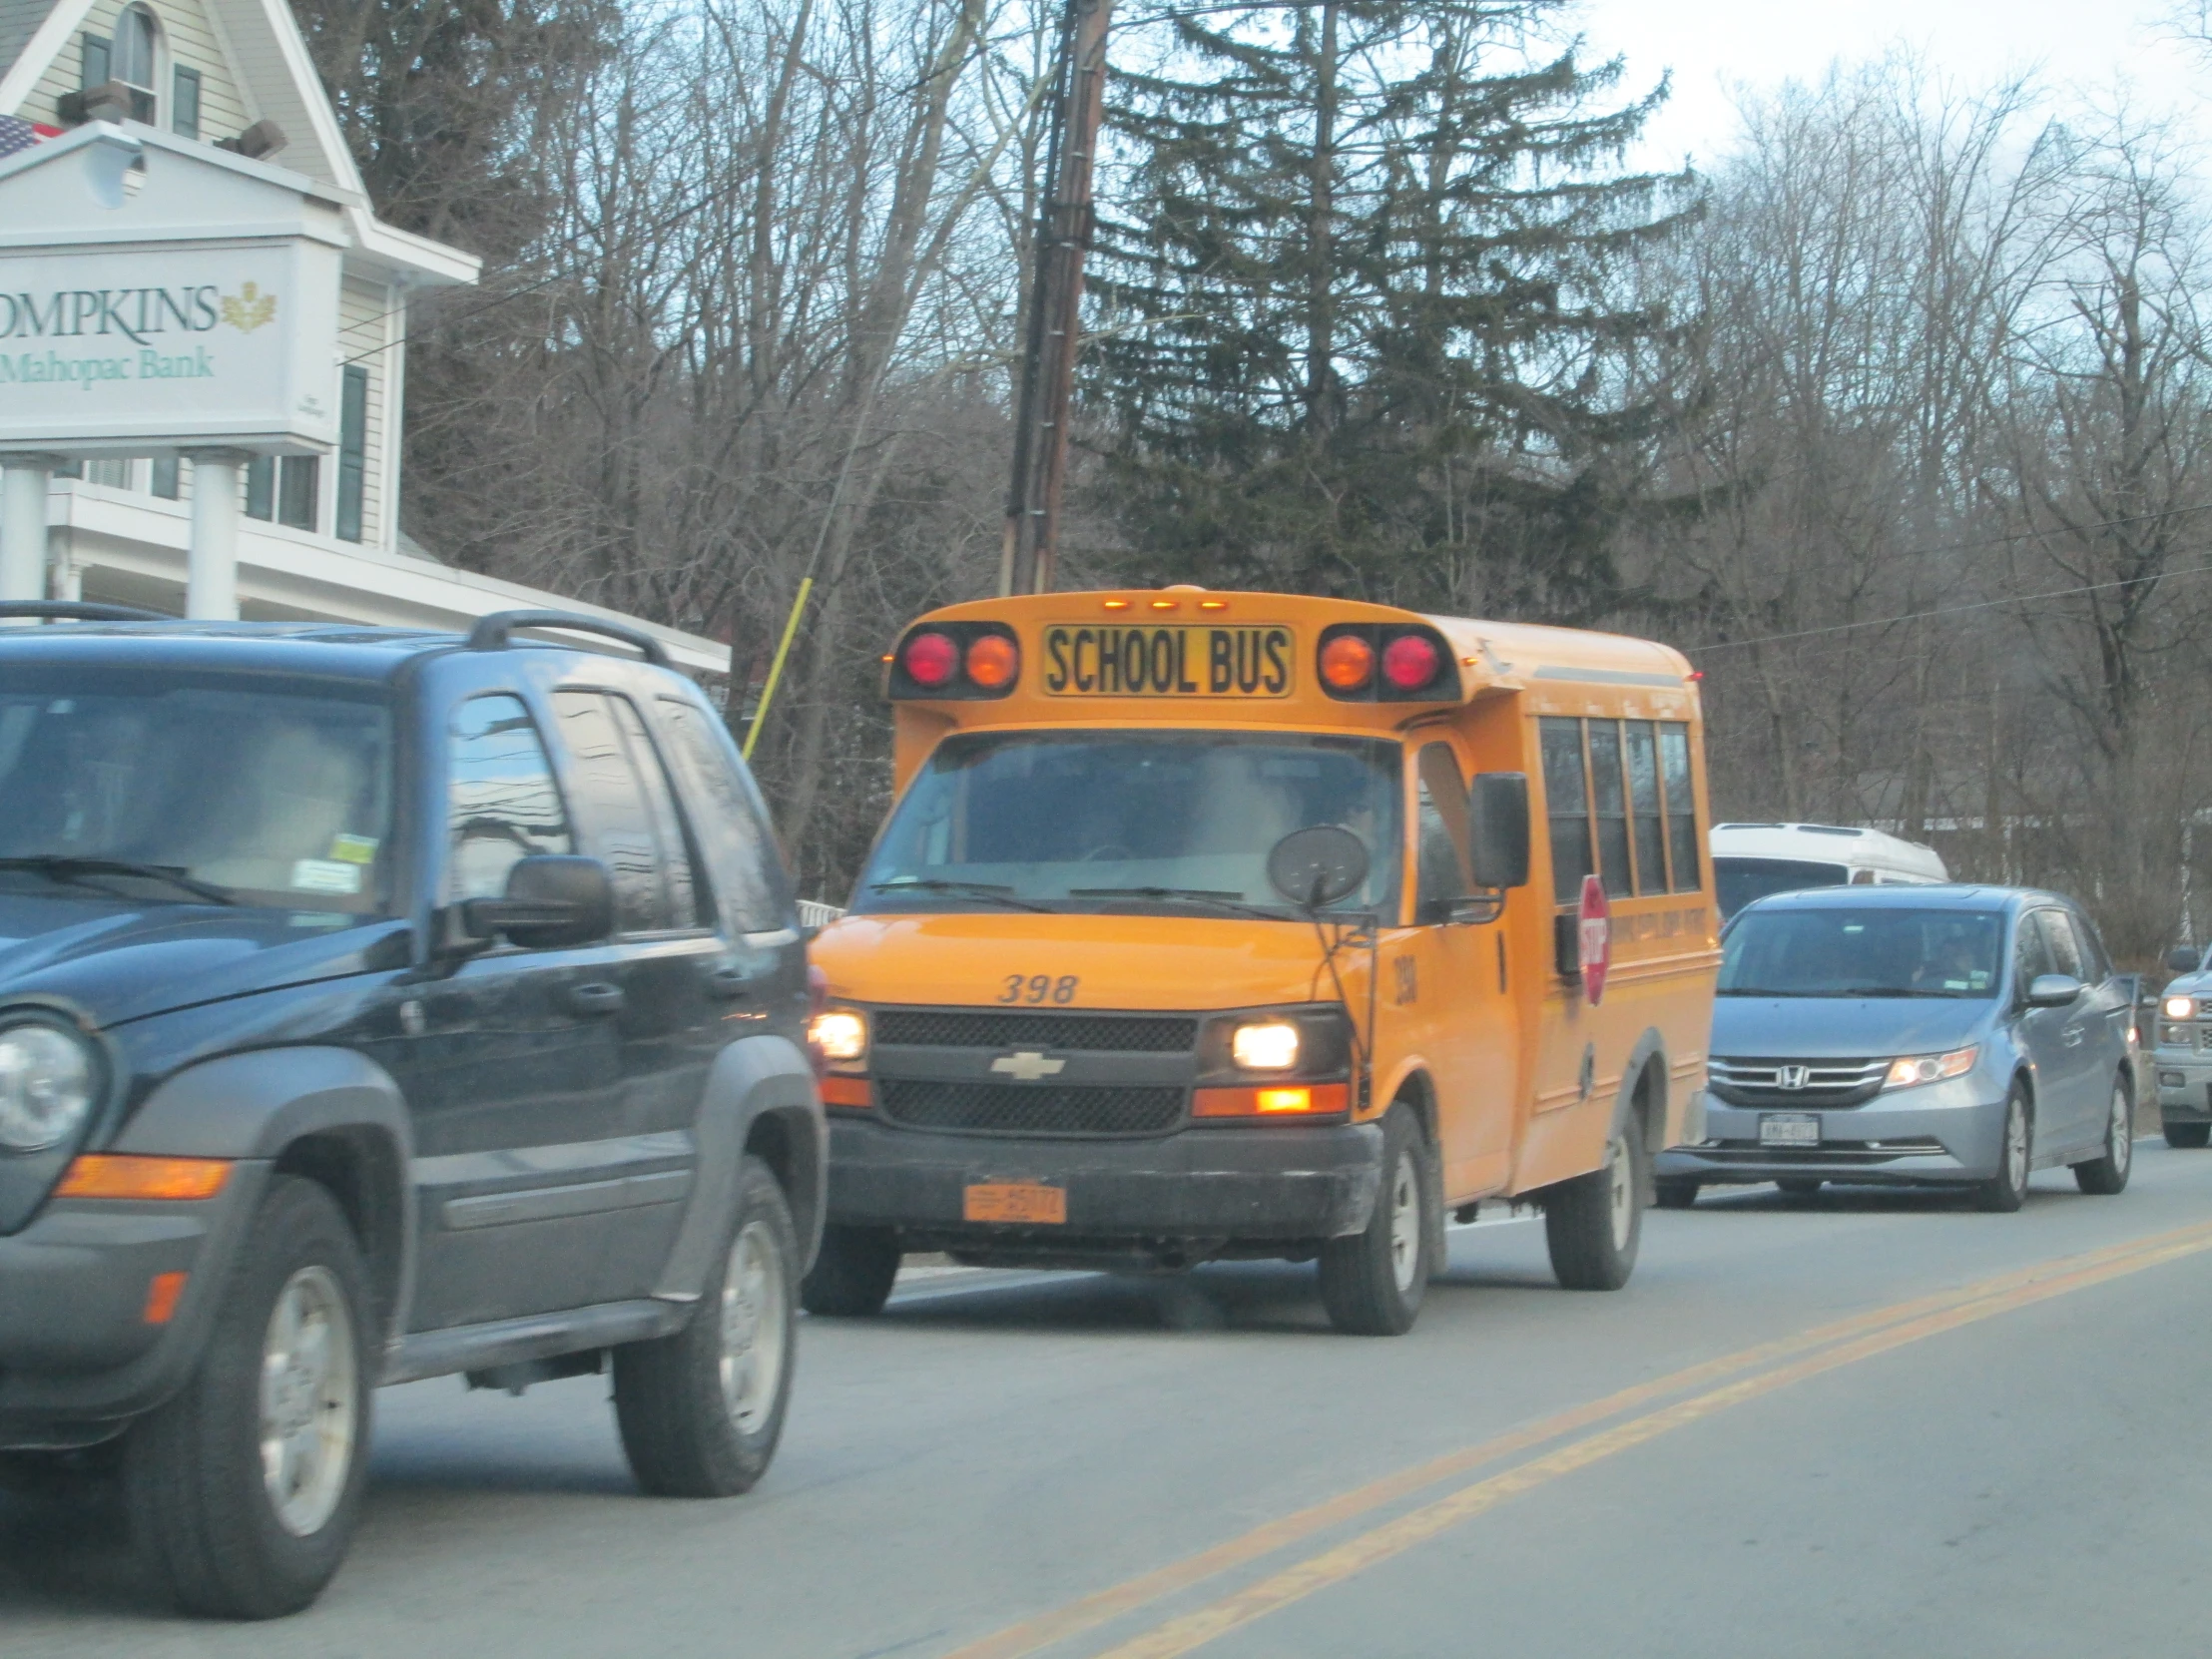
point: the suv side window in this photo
(686, 898)
(751, 887)
(1441, 821)
(501, 803)
(616, 815)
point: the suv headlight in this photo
(1915, 1069)
(48, 1076)
(2181, 1007)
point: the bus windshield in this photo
(1095, 821)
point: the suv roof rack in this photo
(76, 609)
(495, 632)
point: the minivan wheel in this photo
(2107, 1174)
(853, 1272)
(1594, 1222)
(2007, 1189)
(1675, 1194)
(1371, 1282)
(2188, 1136)
(243, 1489)
(701, 1411)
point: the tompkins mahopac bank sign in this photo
(182, 300)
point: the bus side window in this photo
(1643, 802)
(1682, 835)
(1611, 802)
(1567, 802)
(1442, 849)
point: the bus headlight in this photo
(840, 1035)
(1915, 1069)
(1269, 1045)
(47, 1081)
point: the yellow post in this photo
(775, 668)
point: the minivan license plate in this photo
(1789, 1129)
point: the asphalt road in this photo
(1852, 1426)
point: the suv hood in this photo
(945, 960)
(119, 959)
(1843, 1028)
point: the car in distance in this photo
(2182, 1051)
(1911, 1035)
(377, 1005)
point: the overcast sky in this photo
(1711, 45)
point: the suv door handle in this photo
(598, 997)
(728, 983)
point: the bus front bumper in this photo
(1192, 1193)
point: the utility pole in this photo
(1055, 306)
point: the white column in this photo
(212, 565)
(23, 484)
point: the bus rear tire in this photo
(1371, 1282)
(1594, 1222)
(852, 1274)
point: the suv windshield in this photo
(1740, 880)
(1092, 820)
(195, 788)
(1863, 952)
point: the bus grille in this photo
(1025, 1109)
(965, 1028)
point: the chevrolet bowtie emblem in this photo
(1029, 1066)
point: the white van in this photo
(1751, 861)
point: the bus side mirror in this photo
(1497, 819)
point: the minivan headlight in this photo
(47, 1079)
(1915, 1069)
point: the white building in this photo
(193, 292)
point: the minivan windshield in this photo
(195, 788)
(1740, 880)
(1115, 821)
(1843, 952)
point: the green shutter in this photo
(260, 487)
(186, 113)
(93, 67)
(352, 451)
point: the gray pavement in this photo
(2017, 1469)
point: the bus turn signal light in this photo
(1347, 663)
(107, 1175)
(931, 660)
(992, 661)
(1272, 1100)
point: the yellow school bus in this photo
(1211, 926)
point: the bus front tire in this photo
(852, 1274)
(1594, 1222)
(1371, 1281)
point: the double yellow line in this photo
(1758, 1370)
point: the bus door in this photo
(1444, 986)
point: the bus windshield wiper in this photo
(62, 867)
(1197, 896)
(998, 892)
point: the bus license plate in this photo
(1030, 1202)
(1215, 660)
(1789, 1129)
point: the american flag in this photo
(18, 134)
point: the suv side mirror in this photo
(2053, 990)
(552, 901)
(1497, 819)
(2181, 959)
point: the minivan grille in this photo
(979, 1029)
(1819, 1083)
(1028, 1109)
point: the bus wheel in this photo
(1594, 1222)
(1371, 1282)
(852, 1274)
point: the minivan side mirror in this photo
(2053, 990)
(552, 901)
(2181, 959)
(1497, 821)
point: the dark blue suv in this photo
(376, 1005)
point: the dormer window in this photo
(126, 59)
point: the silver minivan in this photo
(1937, 1035)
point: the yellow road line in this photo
(1048, 1629)
(1333, 1566)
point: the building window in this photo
(111, 474)
(285, 492)
(165, 483)
(260, 487)
(352, 451)
(185, 101)
(127, 56)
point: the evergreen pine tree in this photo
(1354, 304)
